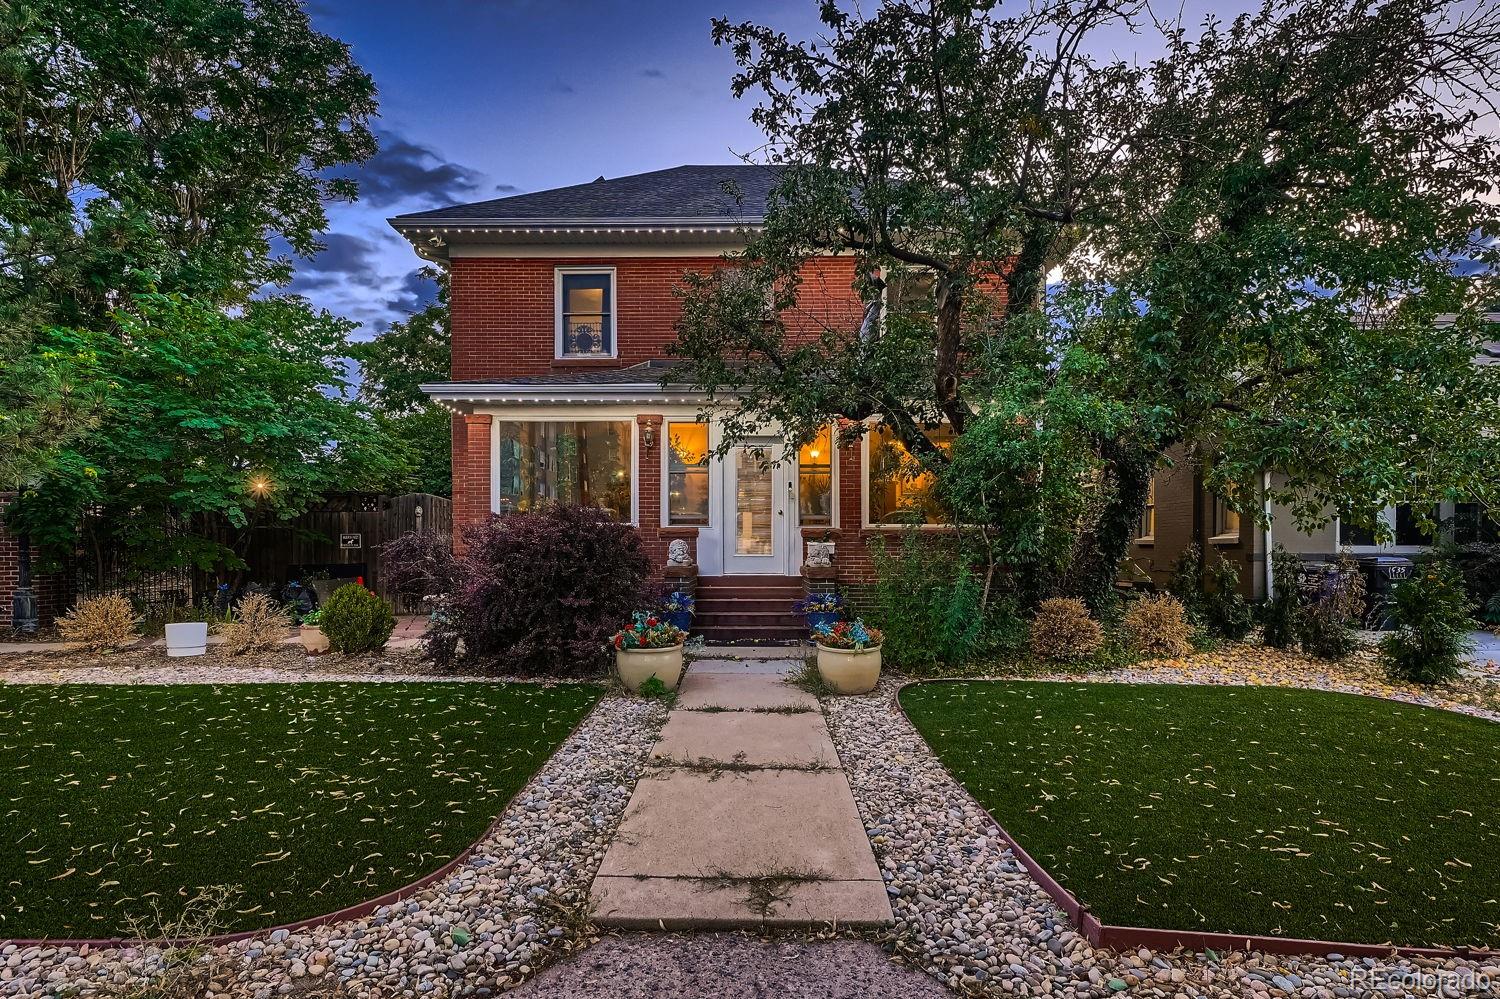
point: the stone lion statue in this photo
(677, 553)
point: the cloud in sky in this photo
(344, 260)
(652, 73)
(404, 170)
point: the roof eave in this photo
(515, 393)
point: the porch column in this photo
(471, 472)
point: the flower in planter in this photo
(819, 603)
(647, 631)
(678, 602)
(848, 635)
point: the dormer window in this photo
(585, 312)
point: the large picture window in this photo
(815, 481)
(900, 491)
(585, 313)
(687, 474)
(582, 463)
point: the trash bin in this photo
(1382, 574)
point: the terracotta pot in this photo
(849, 671)
(636, 666)
(313, 639)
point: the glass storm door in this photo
(755, 498)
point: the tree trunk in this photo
(950, 304)
(1097, 566)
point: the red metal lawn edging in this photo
(356, 911)
(1101, 934)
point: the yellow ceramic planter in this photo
(636, 666)
(849, 671)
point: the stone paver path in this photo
(745, 818)
(729, 966)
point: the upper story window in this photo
(585, 312)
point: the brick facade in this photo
(1183, 513)
(53, 590)
(504, 325)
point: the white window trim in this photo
(497, 418)
(833, 486)
(1388, 516)
(557, 313)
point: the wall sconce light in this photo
(648, 436)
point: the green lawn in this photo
(1243, 810)
(308, 797)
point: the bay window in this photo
(575, 463)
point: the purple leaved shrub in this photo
(535, 593)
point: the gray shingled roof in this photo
(735, 193)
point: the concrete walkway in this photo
(746, 819)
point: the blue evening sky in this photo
(482, 98)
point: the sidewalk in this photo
(408, 633)
(747, 819)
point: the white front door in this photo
(759, 509)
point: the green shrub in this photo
(1281, 615)
(356, 620)
(1186, 583)
(1063, 630)
(926, 600)
(1431, 613)
(1225, 610)
(1157, 625)
(1326, 627)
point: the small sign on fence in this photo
(351, 541)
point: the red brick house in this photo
(562, 310)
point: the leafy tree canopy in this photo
(1255, 234)
(154, 145)
(205, 415)
(393, 367)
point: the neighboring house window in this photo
(1472, 524)
(579, 463)
(687, 474)
(1354, 536)
(815, 481)
(1226, 520)
(900, 490)
(1147, 529)
(585, 312)
(1408, 529)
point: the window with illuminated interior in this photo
(585, 313)
(900, 490)
(687, 474)
(579, 463)
(815, 481)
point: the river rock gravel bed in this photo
(968, 913)
(516, 903)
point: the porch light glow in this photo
(260, 485)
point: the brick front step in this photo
(741, 633)
(717, 604)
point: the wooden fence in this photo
(342, 537)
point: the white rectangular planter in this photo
(189, 638)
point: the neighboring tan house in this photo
(1181, 511)
(563, 306)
